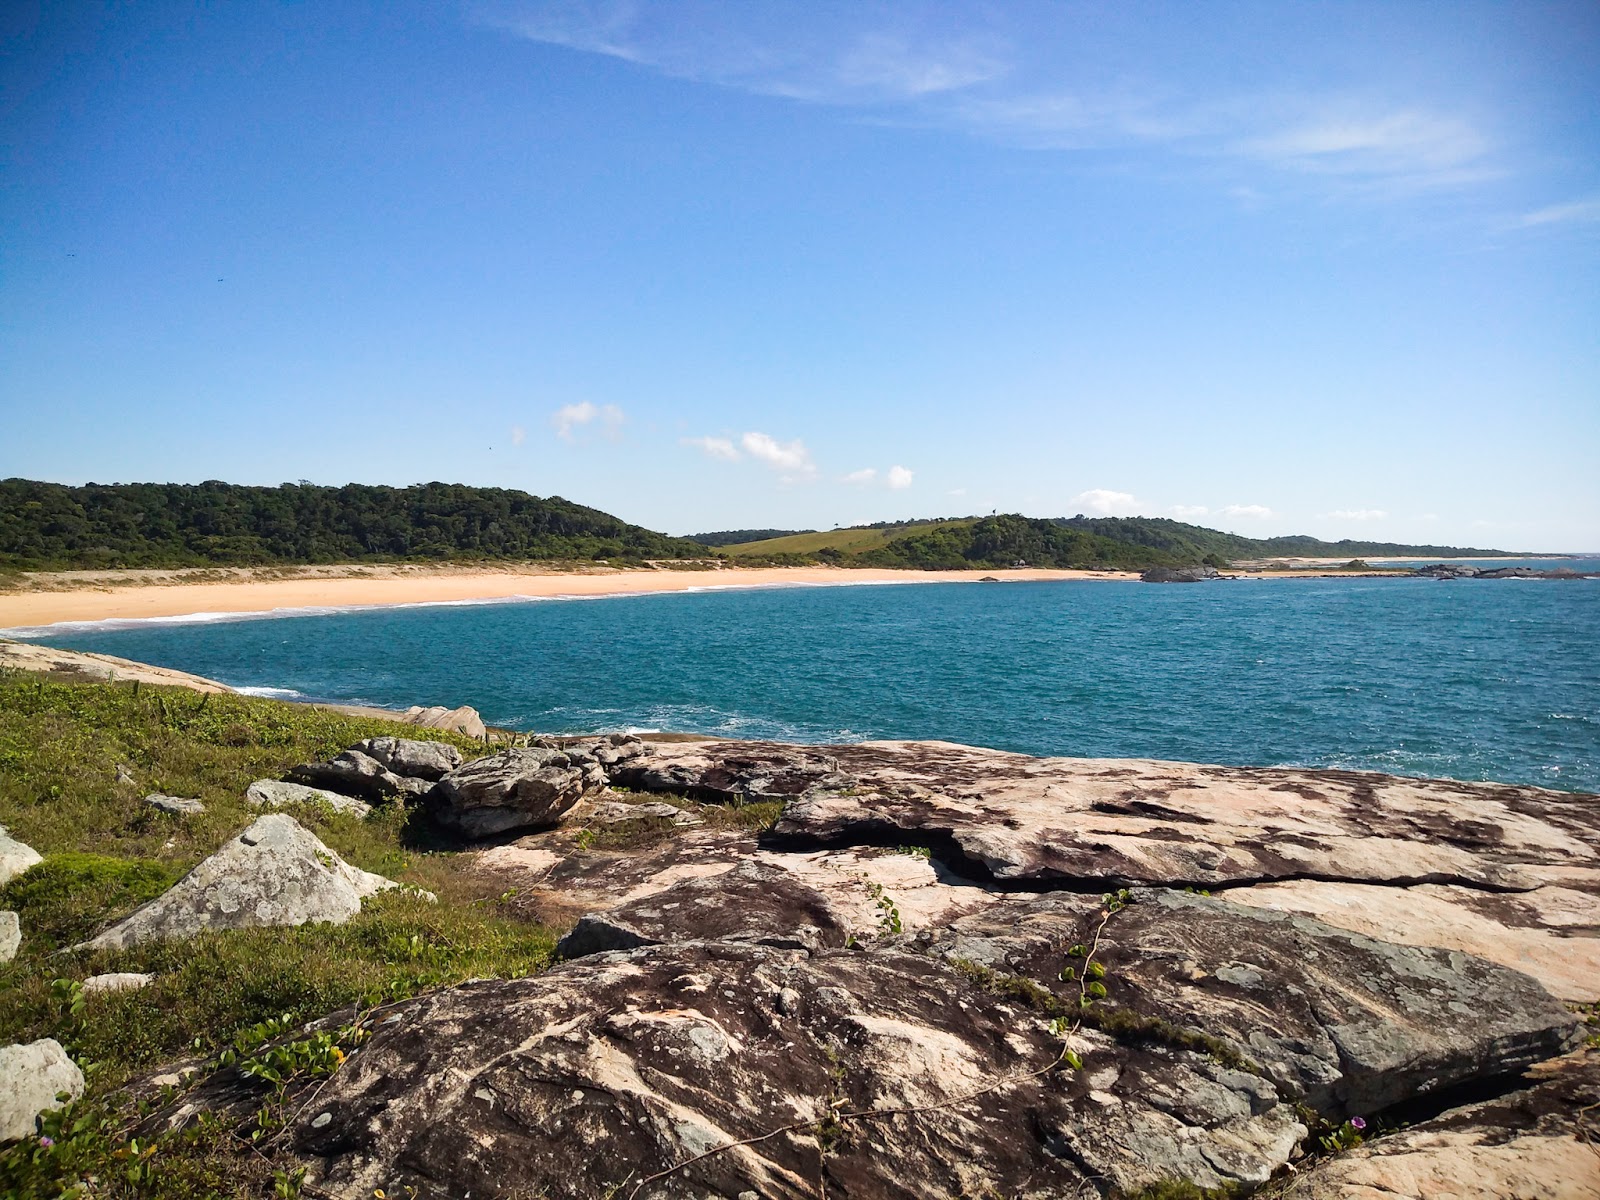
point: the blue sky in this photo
(1274, 267)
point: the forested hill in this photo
(738, 537)
(50, 525)
(1194, 543)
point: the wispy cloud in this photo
(1358, 514)
(1185, 511)
(715, 447)
(899, 478)
(518, 435)
(792, 458)
(1106, 503)
(571, 417)
(1254, 512)
(1400, 145)
(1575, 212)
(862, 477)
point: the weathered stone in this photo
(15, 857)
(1347, 1023)
(274, 873)
(514, 789)
(32, 1075)
(754, 902)
(1180, 575)
(273, 793)
(10, 935)
(605, 1070)
(117, 981)
(353, 773)
(176, 805)
(1533, 1144)
(463, 720)
(612, 812)
(405, 756)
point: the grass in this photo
(850, 541)
(106, 852)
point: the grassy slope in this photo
(106, 852)
(848, 541)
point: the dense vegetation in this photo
(50, 525)
(1002, 541)
(1194, 543)
(738, 537)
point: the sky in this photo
(1275, 267)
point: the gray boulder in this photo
(15, 857)
(1180, 575)
(10, 935)
(514, 789)
(117, 981)
(32, 1075)
(176, 805)
(274, 873)
(354, 773)
(273, 793)
(416, 759)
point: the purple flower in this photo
(47, 1142)
(1357, 1123)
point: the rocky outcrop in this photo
(614, 812)
(513, 789)
(463, 720)
(32, 1075)
(357, 774)
(10, 935)
(603, 1072)
(410, 758)
(15, 857)
(274, 873)
(177, 806)
(107, 668)
(272, 793)
(1537, 1143)
(1180, 575)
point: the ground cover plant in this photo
(76, 760)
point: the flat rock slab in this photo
(117, 981)
(274, 873)
(613, 812)
(1534, 1144)
(10, 935)
(15, 857)
(602, 1071)
(273, 793)
(32, 1074)
(178, 806)
(1349, 1024)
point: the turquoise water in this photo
(1472, 680)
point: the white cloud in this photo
(1185, 511)
(1576, 212)
(898, 477)
(792, 458)
(716, 447)
(956, 492)
(1253, 511)
(1105, 502)
(1418, 147)
(573, 416)
(862, 477)
(518, 435)
(1358, 514)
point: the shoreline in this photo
(169, 596)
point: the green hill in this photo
(53, 526)
(838, 541)
(1194, 542)
(723, 538)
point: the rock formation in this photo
(32, 1075)
(271, 793)
(15, 857)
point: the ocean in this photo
(1496, 680)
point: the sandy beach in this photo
(73, 596)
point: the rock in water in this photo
(10, 935)
(514, 789)
(418, 760)
(601, 1072)
(15, 857)
(1180, 575)
(272, 793)
(32, 1074)
(274, 873)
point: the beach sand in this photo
(73, 596)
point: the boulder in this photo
(274, 873)
(1531, 1144)
(416, 760)
(15, 857)
(463, 720)
(1180, 575)
(353, 773)
(881, 1074)
(10, 935)
(1347, 1024)
(513, 789)
(273, 793)
(32, 1075)
(176, 805)
(117, 981)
